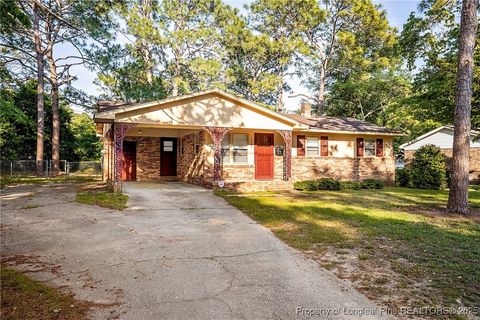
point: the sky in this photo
(397, 14)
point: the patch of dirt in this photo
(436, 212)
(32, 264)
(287, 226)
(25, 298)
(371, 273)
(94, 187)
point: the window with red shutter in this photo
(301, 146)
(379, 147)
(359, 147)
(324, 147)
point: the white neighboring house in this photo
(442, 137)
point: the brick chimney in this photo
(306, 109)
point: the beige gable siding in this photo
(442, 139)
(209, 110)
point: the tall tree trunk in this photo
(145, 9)
(458, 195)
(321, 88)
(176, 78)
(281, 83)
(280, 100)
(55, 112)
(147, 57)
(40, 90)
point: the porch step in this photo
(169, 179)
(244, 186)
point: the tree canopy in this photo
(345, 52)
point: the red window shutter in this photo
(300, 145)
(359, 147)
(324, 146)
(379, 147)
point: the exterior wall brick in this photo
(475, 165)
(192, 166)
(148, 158)
(197, 167)
(238, 172)
(474, 171)
(248, 186)
(246, 172)
(306, 168)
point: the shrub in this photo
(372, 184)
(307, 185)
(428, 170)
(320, 184)
(328, 184)
(350, 185)
(402, 177)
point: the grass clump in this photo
(25, 298)
(106, 199)
(101, 194)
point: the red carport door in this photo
(129, 165)
(263, 156)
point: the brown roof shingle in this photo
(107, 105)
(341, 124)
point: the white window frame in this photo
(307, 147)
(231, 148)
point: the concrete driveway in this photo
(178, 252)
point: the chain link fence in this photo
(29, 168)
(84, 168)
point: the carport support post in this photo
(287, 137)
(217, 134)
(119, 132)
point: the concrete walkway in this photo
(178, 252)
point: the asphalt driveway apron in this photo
(177, 252)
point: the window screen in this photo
(240, 147)
(369, 148)
(226, 148)
(312, 146)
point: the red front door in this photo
(168, 156)
(129, 168)
(263, 156)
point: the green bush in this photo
(307, 185)
(372, 184)
(428, 170)
(402, 177)
(328, 184)
(320, 184)
(350, 185)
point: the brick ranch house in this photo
(213, 138)
(442, 137)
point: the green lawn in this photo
(100, 194)
(13, 180)
(25, 298)
(106, 199)
(395, 244)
